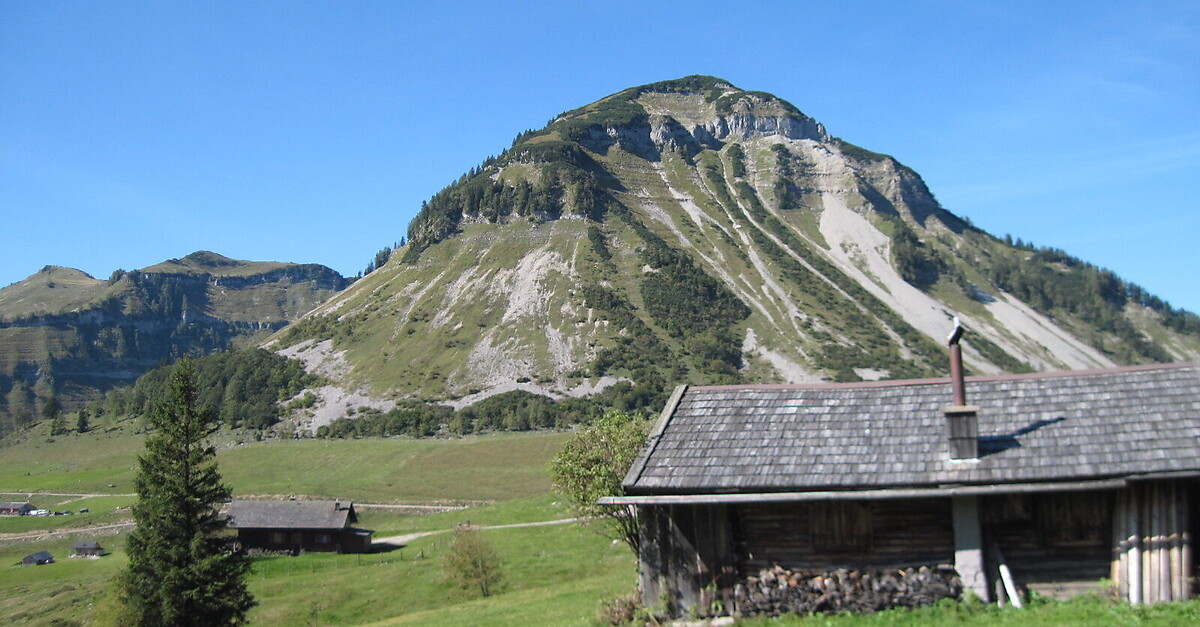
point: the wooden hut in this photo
(86, 549)
(1061, 479)
(15, 509)
(295, 526)
(38, 559)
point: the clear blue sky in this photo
(135, 132)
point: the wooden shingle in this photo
(1065, 426)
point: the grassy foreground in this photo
(1088, 610)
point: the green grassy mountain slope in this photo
(691, 231)
(66, 335)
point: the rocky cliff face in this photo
(66, 334)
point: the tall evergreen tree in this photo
(183, 568)
(52, 411)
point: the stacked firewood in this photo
(777, 590)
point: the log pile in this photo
(777, 590)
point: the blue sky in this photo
(135, 132)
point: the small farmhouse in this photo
(15, 509)
(1047, 481)
(294, 526)
(86, 549)
(38, 559)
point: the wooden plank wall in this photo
(1152, 546)
(686, 556)
(849, 534)
(1052, 537)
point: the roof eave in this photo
(904, 492)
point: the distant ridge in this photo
(67, 335)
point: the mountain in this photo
(67, 335)
(691, 231)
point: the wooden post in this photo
(1161, 546)
(1186, 561)
(1133, 557)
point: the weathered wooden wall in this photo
(1140, 536)
(1152, 552)
(1052, 537)
(846, 534)
(694, 554)
(312, 540)
(686, 555)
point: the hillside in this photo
(67, 335)
(690, 231)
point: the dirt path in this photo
(82, 495)
(409, 537)
(40, 534)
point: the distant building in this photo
(37, 559)
(87, 549)
(295, 526)
(16, 509)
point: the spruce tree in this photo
(81, 420)
(184, 568)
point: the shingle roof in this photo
(1067, 426)
(290, 514)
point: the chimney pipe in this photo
(956, 367)
(962, 422)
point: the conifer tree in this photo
(52, 411)
(81, 420)
(183, 568)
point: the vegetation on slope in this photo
(246, 385)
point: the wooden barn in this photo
(15, 509)
(40, 558)
(87, 549)
(295, 526)
(1054, 480)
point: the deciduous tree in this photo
(472, 561)
(592, 465)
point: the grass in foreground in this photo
(1087, 610)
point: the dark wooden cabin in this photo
(1063, 478)
(295, 526)
(40, 558)
(15, 509)
(87, 549)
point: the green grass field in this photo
(553, 575)
(1085, 611)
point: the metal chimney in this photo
(962, 421)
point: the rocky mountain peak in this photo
(691, 114)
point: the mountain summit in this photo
(691, 231)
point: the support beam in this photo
(968, 545)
